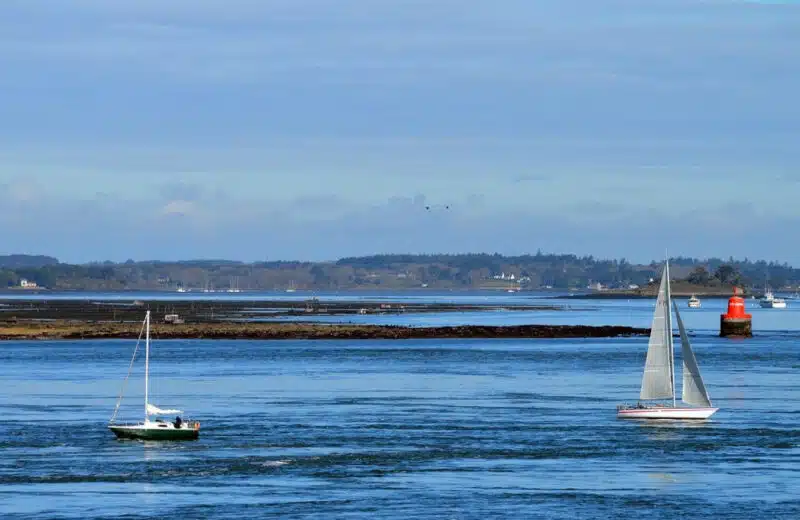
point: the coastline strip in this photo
(275, 331)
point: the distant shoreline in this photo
(679, 289)
(639, 296)
(72, 330)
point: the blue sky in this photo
(314, 129)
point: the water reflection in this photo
(665, 478)
(671, 430)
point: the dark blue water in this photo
(400, 429)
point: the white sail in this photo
(154, 410)
(694, 391)
(658, 380)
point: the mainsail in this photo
(694, 391)
(658, 380)
(154, 410)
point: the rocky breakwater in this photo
(278, 331)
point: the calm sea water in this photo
(405, 429)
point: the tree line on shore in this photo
(390, 271)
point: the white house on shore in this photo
(504, 276)
(25, 284)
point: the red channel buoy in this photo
(736, 322)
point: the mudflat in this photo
(71, 329)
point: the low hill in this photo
(396, 272)
(26, 261)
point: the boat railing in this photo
(635, 406)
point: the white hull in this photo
(769, 301)
(665, 412)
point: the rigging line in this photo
(125, 381)
(155, 388)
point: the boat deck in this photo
(157, 430)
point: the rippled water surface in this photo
(402, 429)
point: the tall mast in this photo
(668, 317)
(146, 362)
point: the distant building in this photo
(172, 318)
(25, 284)
(504, 276)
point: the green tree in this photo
(726, 273)
(7, 278)
(699, 276)
(321, 277)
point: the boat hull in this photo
(155, 433)
(665, 412)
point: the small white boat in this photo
(157, 429)
(769, 301)
(694, 302)
(658, 380)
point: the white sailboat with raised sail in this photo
(157, 429)
(658, 381)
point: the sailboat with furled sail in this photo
(157, 429)
(658, 381)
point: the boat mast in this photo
(146, 362)
(668, 317)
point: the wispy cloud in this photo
(303, 118)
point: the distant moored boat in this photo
(769, 301)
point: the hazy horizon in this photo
(314, 129)
(672, 258)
